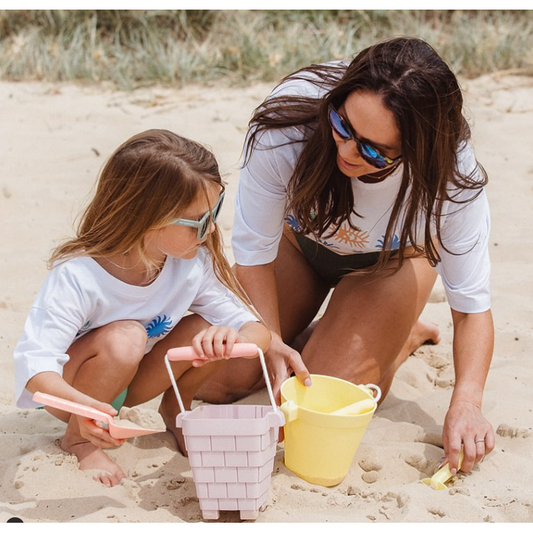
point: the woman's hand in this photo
(213, 344)
(282, 361)
(466, 428)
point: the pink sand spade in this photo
(231, 447)
(116, 430)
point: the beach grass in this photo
(132, 48)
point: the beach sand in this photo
(55, 139)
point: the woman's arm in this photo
(465, 424)
(259, 282)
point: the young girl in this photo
(360, 177)
(147, 252)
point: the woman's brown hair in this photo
(148, 181)
(422, 92)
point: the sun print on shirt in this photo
(159, 326)
(395, 243)
(355, 238)
(293, 223)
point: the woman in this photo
(361, 177)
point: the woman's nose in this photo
(349, 151)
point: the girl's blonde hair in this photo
(148, 181)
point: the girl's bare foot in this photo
(91, 457)
(169, 410)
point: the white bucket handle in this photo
(371, 386)
(187, 353)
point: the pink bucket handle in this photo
(244, 349)
(187, 353)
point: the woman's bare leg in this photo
(300, 295)
(101, 365)
(371, 325)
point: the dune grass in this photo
(135, 48)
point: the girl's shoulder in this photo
(67, 281)
(76, 268)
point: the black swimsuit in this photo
(332, 267)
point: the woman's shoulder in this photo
(311, 82)
(470, 174)
(468, 183)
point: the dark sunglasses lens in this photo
(337, 125)
(217, 209)
(372, 156)
(203, 228)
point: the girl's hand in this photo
(466, 428)
(282, 361)
(214, 343)
(92, 431)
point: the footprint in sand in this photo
(505, 430)
(421, 464)
(371, 468)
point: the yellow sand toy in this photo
(324, 425)
(437, 480)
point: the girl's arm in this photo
(464, 424)
(52, 383)
(257, 333)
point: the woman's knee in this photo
(352, 358)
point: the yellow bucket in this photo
(319, 444)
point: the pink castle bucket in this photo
(231, 447)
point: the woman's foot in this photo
(422, 333)
(91, 457)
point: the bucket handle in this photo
(240, 349)
(373, 387)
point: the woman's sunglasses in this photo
(368, 153)
(202, 225)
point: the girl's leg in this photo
(101, 365)
(371, 325)
(152, 377)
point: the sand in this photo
(55, 139)
(141, 418)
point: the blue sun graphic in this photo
(159, 326)
(327, 243)
(292, 222)
(395, 243)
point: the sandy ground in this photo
(55, 139)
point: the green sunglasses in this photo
(202, 225)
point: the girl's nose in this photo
(211, 227)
